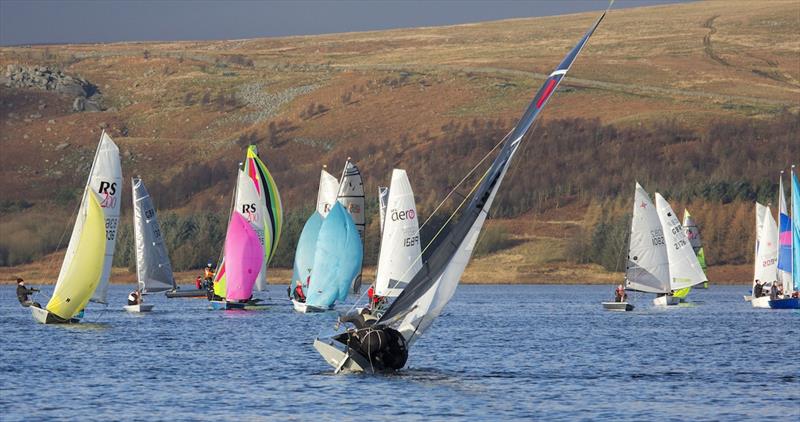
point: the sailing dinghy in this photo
(153, 269)
(383, 346)
(87, 264)
(692, 233)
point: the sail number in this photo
(111, 228)
(657, 237)
(411, 241)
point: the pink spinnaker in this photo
(243, 257)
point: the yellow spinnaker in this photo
(83, 275)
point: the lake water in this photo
(497, 353)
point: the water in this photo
(497, 353)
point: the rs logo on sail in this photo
(107, 190)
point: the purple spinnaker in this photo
(243, 257)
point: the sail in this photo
(767, 252)
(273, 217)
(693, 234)
(684, 268)
(105, 181)
(784, 241)
(383, 197)
(153, 269)
(220, 279)
(795, 231)
(351, 196)
(244, 257)
(306, 248)
(648, 266)
(337, 259)
(399, 258)
(81, 273)
(429, 291)
(328, 191)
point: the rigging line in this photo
(419, 230)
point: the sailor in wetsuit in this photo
(23, 293)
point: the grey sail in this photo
(429, 291)
(351, 196)
(153, 268)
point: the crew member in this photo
(23, 293)
(208, 274)
(298, 292)
(758, 290)
(134, 298)
(198, 282)
(620, 295)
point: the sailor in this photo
(620, 295)
(773, 291)
(298, 292)
(198, 282)
(134, 297)
(374, 300)
(23, 293)
(758, 289)
(208, 273)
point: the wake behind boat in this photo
(383, 345)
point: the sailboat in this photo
(775, 252)
(307, 243)
(87, 264)
(351, 196)
(153, 269)
(400, 253)
(384, 345)
(257, 202)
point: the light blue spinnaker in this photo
(795, 230)
(337, 259)
(306, 246)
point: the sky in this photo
(91, 21)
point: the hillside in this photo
(709, 91)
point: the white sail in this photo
(767, 252)
(400, 258)
(383, 198)
(351, 196)
(684, 268)
(328, 191)
(153, 269)
(251, 205)
(648, 265)
(105, 182)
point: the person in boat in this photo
(620, 295)
(134, 298)
(374, 300)
(773, 291)
(23, 293)
(198, 282)
(758, 290)
(298, 292)
(208, 274)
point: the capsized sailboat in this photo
(384, 345)
(87, 264)
(351, 196)
(153, 268)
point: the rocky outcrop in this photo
(87, 97)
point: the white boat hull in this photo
(304, 308)
(340, 360)
(618, 306)
(760, 302)
(748, 298)
(666, 300)
(142, 307)
(42, 316)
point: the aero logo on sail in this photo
(403, 215)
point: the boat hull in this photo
(305, 308)
(42, 316)
(224, 305)
(748, 298)
(618, 306)
(760, 302)
(172, 294)
(142, 307)
(788, 303)
(342, 360)
(666, 300)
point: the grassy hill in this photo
(685, 98)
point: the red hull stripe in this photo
(547, 91)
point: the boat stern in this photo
(341, 360)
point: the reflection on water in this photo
(499, 352)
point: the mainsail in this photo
(766, 264)
(693, 234)
(429, 291)
(87, 263)
(784, 241)
(153, 269)
(795, 231)
(383, 198)
(328, 191)
(684, 268)
(337, 259)
(648, 266)
(351, 196)
(399, 258)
